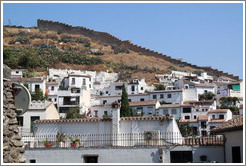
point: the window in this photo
(104, 102)
(142, 99)
(17, 72)
(119, 101)
(194, 130)
(20, 120)
(33, 118)
(187, 110)
(213, 116)
(204, 133)
(161, 96)
(106, 92)
(73, 81)
(194, 116)
(50, 99)
(154, 96)
(203, 124)
(37, 87)
(96, 113)
(236, 154)
(129, 100)
(105, 112)
(169, 95)
(187, 117)
(133, 88)
(173, 111)
(221, 116)
(141, 88)
(32, 161)
(84, 82)
(197, 110)
(90, 158)
(165, 111)
(55, 99)
(52, 88)
(118, 87)
(89, 85)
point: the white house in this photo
(167, 96)
(33, 83)
(17, 73)
(145, 108)
(52, 91)
(204, 88)
(38, 110)
(233, 132)
(72, 98)
(77, 81)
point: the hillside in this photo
(57, 45)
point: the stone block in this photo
(16, 143)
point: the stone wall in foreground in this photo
(12, 146)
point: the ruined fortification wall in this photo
(12, 146)
(106, 38)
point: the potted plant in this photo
(74, 142)
(47, 143)
(61, 139)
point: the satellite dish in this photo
(22, 98)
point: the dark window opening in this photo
(142, 99)
(73, 81)
(236, 154)
(194, 116)
(32, 161)
(52, 88)
(154, 96)
(104, 102)
(91, 158)
(181, 156)
(20, 120)
(187, 117)
(118, 87)
(129, 100)
(187, 110)
(33, 118)
(169, 95)
(221, 116)
(84, 82)
(203, 124)
(141, 88)
(37, 87)
(161, 96)
(133, 88)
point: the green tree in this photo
(73, 113)
(185, 129)
(125, 107)
(159, 87)
(38, 95)
(206, 96)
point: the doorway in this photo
(236, 154)
(181, 156)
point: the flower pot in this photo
(47, 145)
(73, 145)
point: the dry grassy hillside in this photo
(59, 50)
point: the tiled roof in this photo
(51, 83)
(27, 79)
(188, 120)
(218, 111)
(69, 120)
(78, 75)
(216, 120)
(196, 102)
(204, 85)
(146, 118)
(230, 125)
(100, 119)
(166, 91)
(221, 83)
(143, 103)
(170, 105)
(203, 117)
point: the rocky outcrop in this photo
(12, 146)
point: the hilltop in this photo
(57, 45)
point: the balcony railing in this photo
(121, 140)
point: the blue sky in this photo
(205, 34)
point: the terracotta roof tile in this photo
(203, 117)
(68, 120)
(204, 85)
(216, 120)
(146, 118)
(188, 120)
(27, 79)
(143, 103)
(218, 111)
(230, 125)
(170, 105)
(51, 83)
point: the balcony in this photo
(123, 140)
